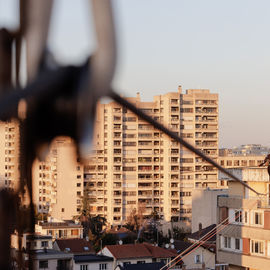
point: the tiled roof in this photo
(158, 252)
(76, 245)
(144, 250)
(199, 234)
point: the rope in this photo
(171, 134)
(202, 241)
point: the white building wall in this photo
(206, 256)
(94, 266)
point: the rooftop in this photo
(144, 250)
(201, 233)
(76, 245)
(142, 266)
(47, 225)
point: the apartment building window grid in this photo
(157, 159)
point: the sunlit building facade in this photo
(136, 166)
(245, 242)
(58, 181)
(9, 155)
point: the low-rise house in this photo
(75, 246)
(93, 262)
(137, 254)
(32, 242)
(64, 229)
(52, 259)
(40, 248)
(207, 235)
(194, 256)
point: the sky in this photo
(219, 45)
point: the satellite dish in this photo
(172, 240)
(167, 246)
(172, 246)
(120, 242)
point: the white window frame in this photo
(235, 240)
(197, 258)
(103, 266)
(252, 247)
(254, 212)
(83, 266)
(245, 217)
(227, 242)
(268, 248)
(231, 241)
(238, 218)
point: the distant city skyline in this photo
(221, 46)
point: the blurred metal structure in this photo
(56, 101)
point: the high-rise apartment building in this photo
(58, 181)
(136, 166)
(9, 155)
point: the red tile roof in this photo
(76, 245)
(140, 251)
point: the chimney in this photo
(138, 95)
(180, 89)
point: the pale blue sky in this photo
(215, 44)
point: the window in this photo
(197, 258)
(44, 243)
(237, 243)
(138, 262)
(102, 266)
(227, 242)
(83, 267)
(43, 264)
(245, 216)
(125, 263)
(257, 247)
(238, 216)
(258, 219)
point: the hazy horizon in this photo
(221, 46)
